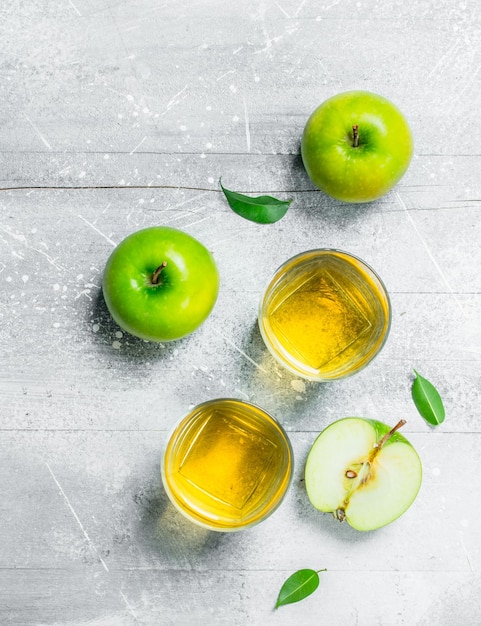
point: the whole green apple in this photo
(356, 146)
(160, 284)
(362, 471)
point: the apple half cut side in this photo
(363, 471)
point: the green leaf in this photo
(427, 400)
(263, 209)
(298, 586)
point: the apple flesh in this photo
(160, 284)
(362, 471)
(356, 146)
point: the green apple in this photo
(356, 146)
(362, 471)
(160, 284)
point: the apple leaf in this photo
(298, 586)
(263, 209)
(427, 400)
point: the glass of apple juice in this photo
(325, 314)
(227, 465)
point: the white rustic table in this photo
(121, 114)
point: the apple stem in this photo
(157, 273)
(390, 433)
(355, 136)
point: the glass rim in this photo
(313, 251)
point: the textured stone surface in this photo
(118, 115)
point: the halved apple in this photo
(363, 471)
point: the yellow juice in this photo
(325, 314)
(227, 465)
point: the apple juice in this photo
(325, 315)
(227, 465)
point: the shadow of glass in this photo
(166, 533)
(275, 388)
